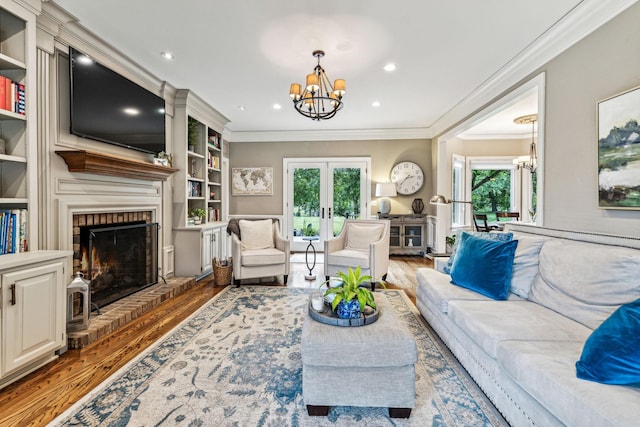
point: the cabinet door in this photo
(207, 251)
(32, 307)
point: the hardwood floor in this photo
(43, 395)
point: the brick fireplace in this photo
(116, 314)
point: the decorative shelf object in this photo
(106, 164)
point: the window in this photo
(458, 191)
(493, 186)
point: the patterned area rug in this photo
(237, 362)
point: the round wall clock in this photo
(408, 177)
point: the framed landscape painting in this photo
(251, 181)
(619, 151)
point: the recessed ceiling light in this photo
(167, 55)
(131, 111)
(85, 60)
(390, 67)
(375, 104)
(241, 107)
(277, 106)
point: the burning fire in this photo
(97, 267)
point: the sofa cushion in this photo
(496, 236)
(525, 264)
(360, 236)
(268, 256)
(349, 258)
(490, 322)
(586, 281)
(545, 371)
(611, 354)
(437, 287)
(484, 266)
(256, 234)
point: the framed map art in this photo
(619, 151)
(251, 181)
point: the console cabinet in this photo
(33, 320)
(195, 248)
(408, 234)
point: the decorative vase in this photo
(417, 206)
(348, 309)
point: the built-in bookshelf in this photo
(214, 176)
(15, 170)
(198, 156)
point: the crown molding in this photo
(327, 135)
(579, 22)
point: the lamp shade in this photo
(386, 189)
(439, 199)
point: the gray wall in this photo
(600, 66)
(384, 154)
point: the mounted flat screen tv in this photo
(108, 107)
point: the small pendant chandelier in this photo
(319, 100)
(529, 162)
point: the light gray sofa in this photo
(522, 351)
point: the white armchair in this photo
(363, 243)
(258, 249)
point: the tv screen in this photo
(108, 107)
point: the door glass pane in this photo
(306, 202)
(346, 196)
(491, 191)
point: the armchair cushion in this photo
(349, 258)
(267, 256)
(360, 236)
(256, 234)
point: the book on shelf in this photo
(214, 141)
(12, 96)
(13, 231)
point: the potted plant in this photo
(198, 215)
(450, 242)
(193, 133)
(163, 159)
(350, 298)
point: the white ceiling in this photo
(247, 52)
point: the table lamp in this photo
(384, 190)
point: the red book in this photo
(3, 93)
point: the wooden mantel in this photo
(107, 164)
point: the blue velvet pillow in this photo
(484, 265)
(611, 354)
(499, 237)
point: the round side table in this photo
(310, 239)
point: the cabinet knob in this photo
(12, 289)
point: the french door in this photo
(320, 194)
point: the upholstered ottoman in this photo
(372, 365)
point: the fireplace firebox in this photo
(118, 259)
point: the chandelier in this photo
(529, 162)
(319, 100)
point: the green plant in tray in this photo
(351, 289)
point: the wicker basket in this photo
(222, 273)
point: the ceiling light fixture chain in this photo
(320, 100)
(528, 162)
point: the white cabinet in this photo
(195, 248)
(33, 322)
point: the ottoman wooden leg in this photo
(319, 411)
(399, 412)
